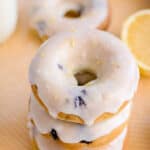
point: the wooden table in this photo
(15, 56)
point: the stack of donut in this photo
(82, 84)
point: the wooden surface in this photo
(15, 56)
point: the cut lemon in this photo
(136, 34)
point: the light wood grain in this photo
(15, 56)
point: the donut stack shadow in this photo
(76, 123)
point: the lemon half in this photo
(136, 34)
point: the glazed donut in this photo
(8, 16)
(49, 17)
(43, 143)
(99, 134)
(111, 72)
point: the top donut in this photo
(84, 75)
(48, 17)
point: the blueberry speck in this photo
(84, 91)
(79, 101)
(86, 142)
(41, 26)
(54, 134)
(60, 67)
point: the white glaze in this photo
(47, 144)
(51, 12)
(8, 18)
(76, 132)
(100, 51)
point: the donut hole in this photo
(72, 14)
(84, 77)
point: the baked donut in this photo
(43, 143)
(8, 16)
(111, 75)
(51, 16)
(78, 136)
